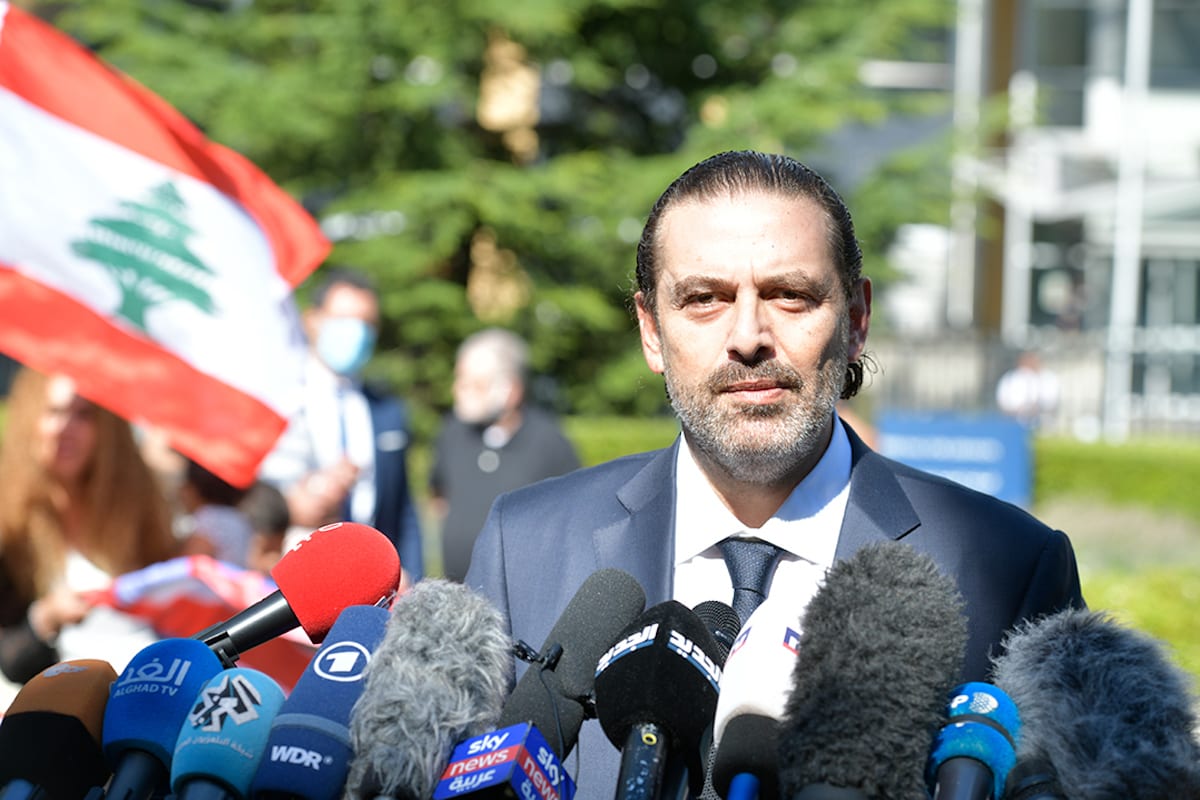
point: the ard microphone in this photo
(147, 706)
(439, 676)
(335, 566)
(222, 742)
(554, 693)
(883, 642)
(656, 693)
(1104, 705)
(975, 750)
(308, 748)
(50, 736)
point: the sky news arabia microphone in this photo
(439, 676)
(147, 706)
(50, 736)
(975, 750)
(882, 644)
(555, 693)
(656, 693)
(335, 566)
(540, 721)
(1104, 705)
(308, 749)
(755, 683)
(223, 740)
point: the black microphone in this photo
(656, 694)
(335, 566)
(440, 675)
(882, 643)
(1033, 779)
(1104, 705)
(746, 764)
(50, 736)
(722, 622)
(555, 693)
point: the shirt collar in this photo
(702, 520)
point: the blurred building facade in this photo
(1076, 225)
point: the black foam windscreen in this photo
(553, 697)
(748, 745)
(663, 670)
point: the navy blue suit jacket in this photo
(541, 542)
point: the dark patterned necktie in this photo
(751, 562)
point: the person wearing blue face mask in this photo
(344, 454)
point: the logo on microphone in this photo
(62, 669)
(343, 662)
(234, 698)
(152, 678)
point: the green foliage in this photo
(367, 112)
(1155, 474)
(1159, 601)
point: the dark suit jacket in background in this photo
(395, 512)
(541, 542)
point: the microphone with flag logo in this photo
(335, 566)
(975, 750)
(146, 708)
(222, 742)
(440, 675)
(308, 748)
(50, 736)
(656, 693)
(755, 684)
(882, 644)
(1103, 706)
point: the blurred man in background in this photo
(344, 455)
(493, 442)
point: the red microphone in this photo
(335, 566)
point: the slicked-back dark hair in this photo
(738, 171)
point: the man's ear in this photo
(860, 318)
(648, 326)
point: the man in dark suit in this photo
(344, 455)
(752, 304)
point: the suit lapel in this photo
(877, 509)
(644, 544)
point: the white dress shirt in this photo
(806, 528)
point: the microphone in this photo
(746, 764)
(50, 736)
(223, 740)
(656, 693)
(335, 566)
(755, 684)
(974, 751)
(555, 693)
(1033, 779)
(440, 675)
(1104, 705)
(308, 751)
(147, 706)
(883, 641)
(722, 622)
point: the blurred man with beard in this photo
(752, 304)
(494, 441)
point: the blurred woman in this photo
(77, 505)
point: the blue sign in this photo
(990, 453)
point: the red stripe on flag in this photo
(220, 427)
(50, 70)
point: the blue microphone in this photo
(223, 741)
(976, 748)
(308, 750)
(147, 706)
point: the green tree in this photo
(491, 162)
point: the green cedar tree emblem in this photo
(147, 254)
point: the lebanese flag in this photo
(154, 266)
